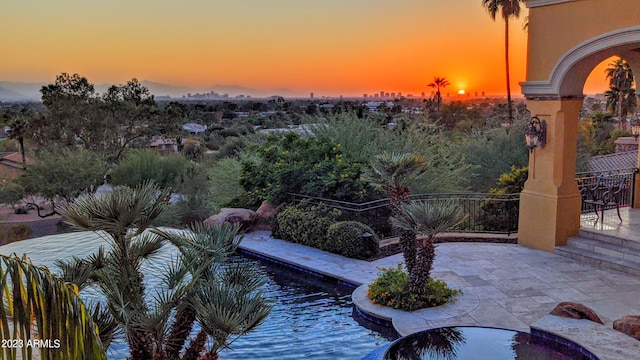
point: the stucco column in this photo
(550, 201)
(633, 60)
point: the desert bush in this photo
(10, 233)
(305, 165)
(361, 139)
(11, 193)
(224, 182)
(231, 148)
(499, 215)
(170, 216)
(493, 153)
(141, 165)
(306, 224)
(63, 173)
(347, 238)
(228, 132)
(391, 288)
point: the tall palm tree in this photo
(200, 283)
(621, 97)
(392, 172)
(35, 302)
(508, 9)
(18, 127)
(438, 83)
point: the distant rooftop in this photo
(613, 162)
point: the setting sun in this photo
(461, 92)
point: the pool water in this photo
(311, 318)
(479, 343)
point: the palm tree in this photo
(36, 304)
(508, 9)
(438, 83)
(200, 283)
(392, 172)
(428, 218)
(18, 127)
(621, 97)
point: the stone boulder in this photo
(245, 218)
(264, 215)
(629, 325)
(266, 210)
(575, 311)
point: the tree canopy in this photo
(125, 115)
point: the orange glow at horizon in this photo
(329, 47)
(597, 82)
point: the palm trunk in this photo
(196, 347)
(506, 55)
(423, 265)
(622, 116)
(24, 158)
(183, 323)
(407, 237)
(408, 245)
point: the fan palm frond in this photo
(117, 211)
(428, 217)
(391, 170)
(226, 311)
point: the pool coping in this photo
(602, 341)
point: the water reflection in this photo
(436, 344)
(469, 342)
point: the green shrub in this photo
(391, 289)
(63, 173)
(192, 209)
(497, 215)
(224, 183)
(170, 216)
(292, 163)
(141, 165)
(347, 238)
(11, 193)
(231, 148)
(306, 225)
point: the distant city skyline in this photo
(329, 47)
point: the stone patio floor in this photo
(504, 285)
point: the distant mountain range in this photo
(19, 91)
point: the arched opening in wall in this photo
(602, 130)
(595, 124)
(620, 100)
(597, 82)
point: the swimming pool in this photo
(311, 318)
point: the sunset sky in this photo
(329, 47)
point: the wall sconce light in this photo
(536, 133)
(635, 130)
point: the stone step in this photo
(599, 259)
(605, 248)
(621, 242)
